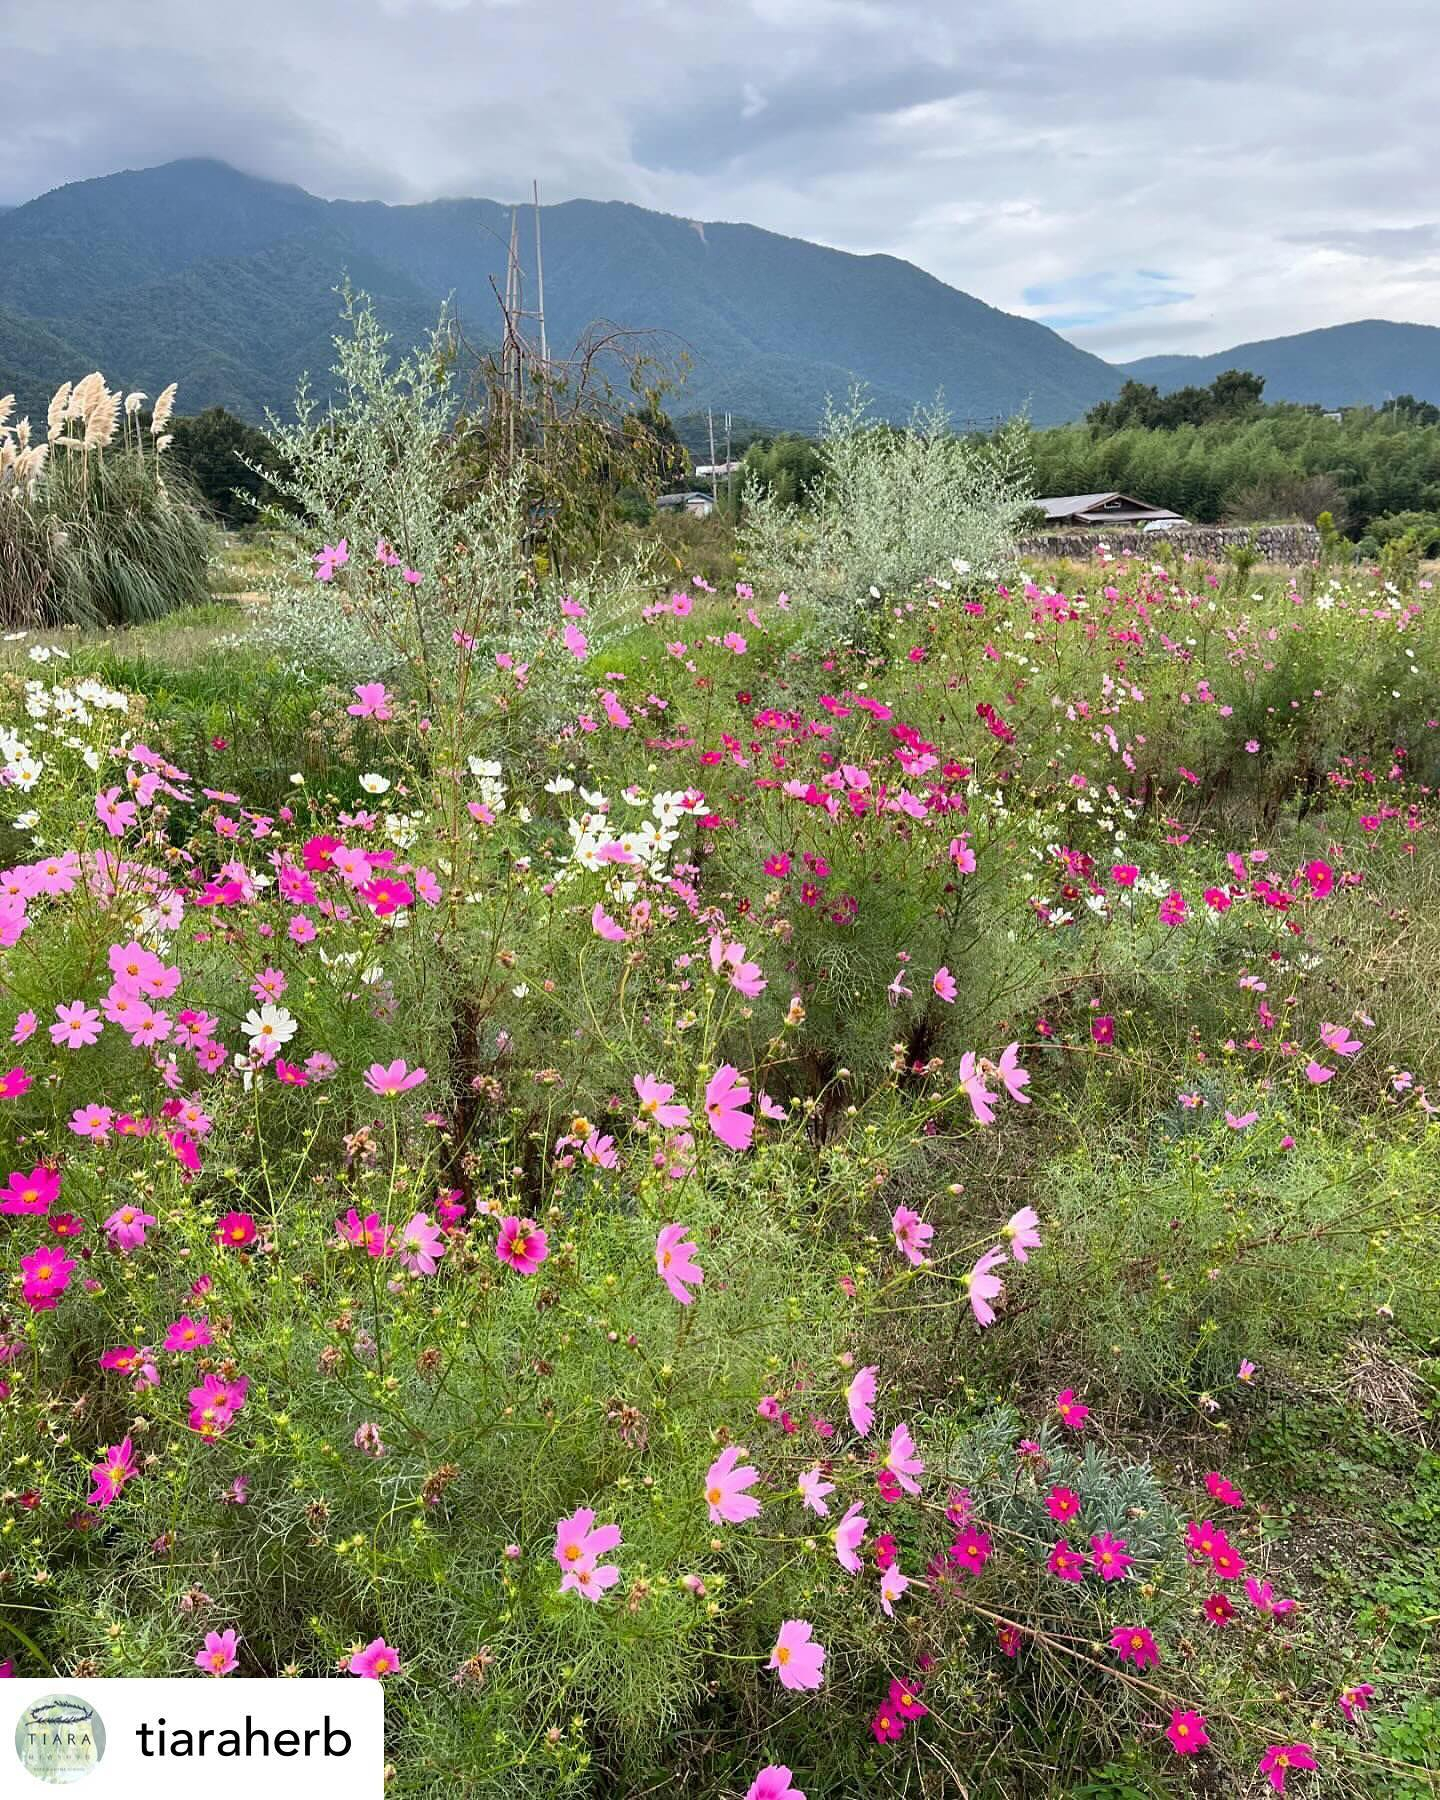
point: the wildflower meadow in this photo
(765, 1187)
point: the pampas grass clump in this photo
(93, 531)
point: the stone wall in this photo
(1276, 543)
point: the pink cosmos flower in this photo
(901, 1460)
(579, 1545)
(605, 927)
(892, 1585)
(813, 1489)
(1241, 1121)
(744, 976)
(78, 1025)
(388, 1080)
(111, 1475)
(1262, 1597)
(860, 1399)
(115, 814)
(214, 1404)
(655, 1103)
(576, 642)
(218, 1657)
(773, 1783)
(982, 1286)
(1022, 1233)
(188, 1334)
(1317, 1074)
(943, 983)
(370, 1234)
(1134, 1644)
(848, 1536)
(1337, 1039)
(522, 1244)
(1279, 1759)
(796, 1658)
(725, 1097)
(375, 1661)
(1220, 1489)
(912, 1235)
(126, 1227)
(971, 1551)
(1015, 1078)
(25, 1024)
(1186, 1732)
(675, 1262)
(422, 1244)
(1072, 1413)
(725, 1486)
(371, 702)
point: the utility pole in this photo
(713, 476)
(540, 277)
(729, 472)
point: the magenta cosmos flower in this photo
(725, 1486)
(217, 1656)
(1134, 1644)
(188, 1334)
(522, 1244)
(45, 1274)
(387, 1080)
(376, 1660)
(675, 1262)
(34, 1193)
(797, 1659)
(126, 1227)
(860, 1399)
(1071, 1411)
(1186, 1732)
(901, 1460)
(1356, 1699)
(773, 1783)
(1111, 1562)
(1279, 1759)
(912, 1235)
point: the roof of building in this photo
(1070, 506)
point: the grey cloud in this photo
(1005, 145)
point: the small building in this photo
(699, 506)
(721, 469)
(1103, 509)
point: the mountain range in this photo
(198, 273)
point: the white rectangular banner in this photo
(124, 1739)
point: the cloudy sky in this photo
(1145, 175)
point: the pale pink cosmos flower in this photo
(848, 1535)
(982, 1286)
(655, 1103)
(972, 1080)
(675, 1262)
(725, 1097)
(813, 1489)
(1316, 1073)
(912, 1235)
(1012, 1075)
(943, 984)
(115, 814)
(729, 959)
(1241, 1121)
(579, 1545)
(422, 1244)
(375, 1661)
(576, 642)
(1022, 1233)
(388, 1080)
(860, 1399)
(892, 1585)
(78, 1025)
(218, 1654)
(1337, 1038)
(126, 1227)
(797, 1659)
(725, 1486)
(901, 1460)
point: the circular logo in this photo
(60, 1738)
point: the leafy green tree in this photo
(213, 449)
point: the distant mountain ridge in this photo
(1360, 364)
(198, 273)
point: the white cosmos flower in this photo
(269, 1025)
(375, 784)
(560, 784)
